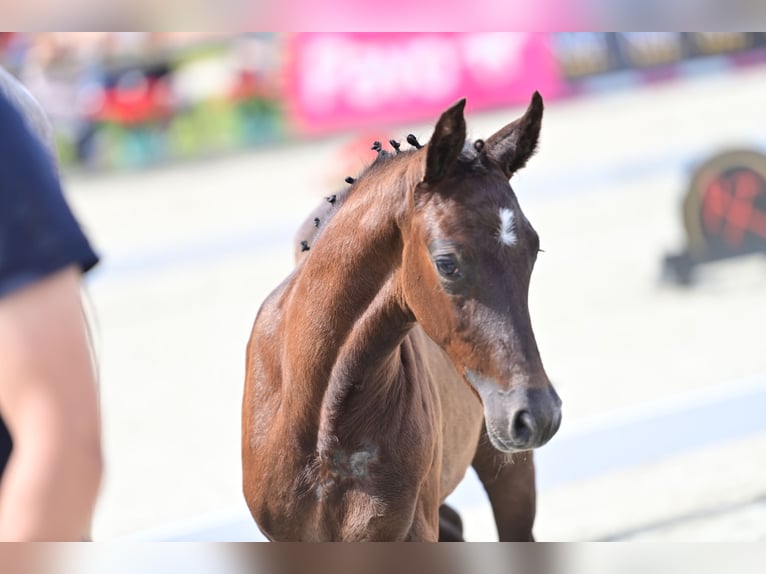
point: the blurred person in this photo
(50, 436)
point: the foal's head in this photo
(468, 257)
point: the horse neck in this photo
(368, 360)
(348, 302)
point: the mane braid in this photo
(383, 160)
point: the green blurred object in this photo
(208, 128)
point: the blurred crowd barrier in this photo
(121, 100)
(131, 99)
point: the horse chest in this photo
(343, 466)
(356, 496)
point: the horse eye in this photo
(447, 266)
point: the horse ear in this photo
(514, 144)
(446, 143)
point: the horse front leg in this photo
(450, 525)
(510, 484)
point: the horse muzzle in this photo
(522, 420)
(519, 418)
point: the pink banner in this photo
(345, 80)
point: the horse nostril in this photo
(556, 423)
(522, 428)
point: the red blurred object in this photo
(248, 86)
(149, 100)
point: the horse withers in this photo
(400, 351)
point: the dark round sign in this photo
(724, 211)
(725, 206)
(734, 210)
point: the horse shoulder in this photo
(262, 433)
(263, 372)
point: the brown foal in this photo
(400, 351)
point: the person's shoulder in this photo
(38, 232)
(18, 100)
(26, 164)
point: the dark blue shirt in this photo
(38, 233)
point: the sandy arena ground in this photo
(191, 250)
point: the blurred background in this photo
(191, 159)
